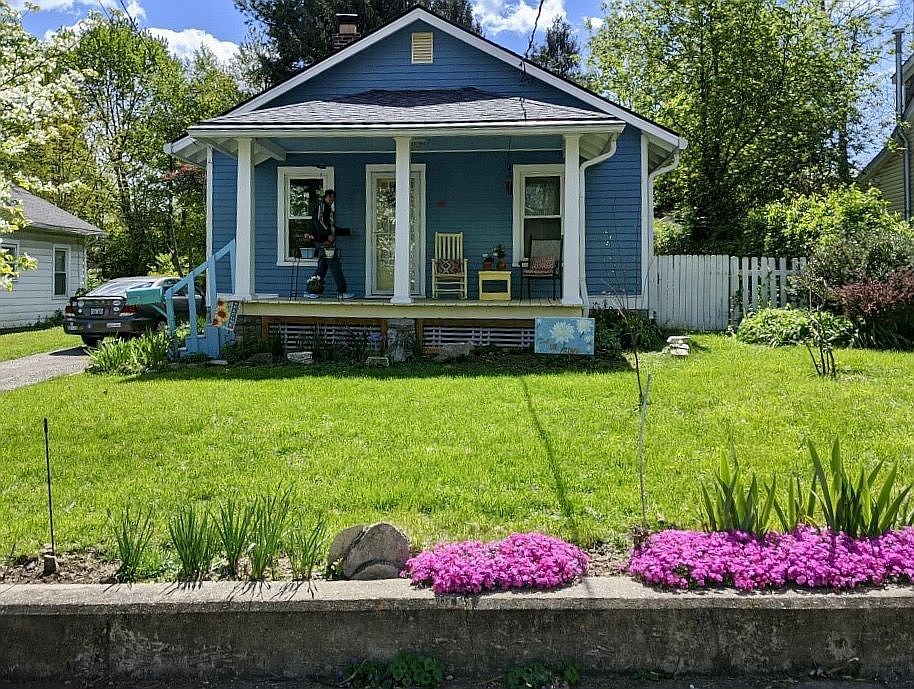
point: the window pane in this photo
(60, 261)
(60, 283)
(541, 228)
(542, 196)
(303, 195)
(297, 231)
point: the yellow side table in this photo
(495, 276)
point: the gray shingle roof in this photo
(45, 215)
(414, 107)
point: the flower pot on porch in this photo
(501, 264)
(487, 265)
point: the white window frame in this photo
(11, 246)
(67, 271)
(520, 173)
(283, 175)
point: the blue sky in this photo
(186, 24)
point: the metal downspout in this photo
(608, 153)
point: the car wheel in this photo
(90, 340)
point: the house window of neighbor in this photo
(10, 250)
(538, 209)
(61, 272)
(301, 190)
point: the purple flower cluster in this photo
(806, 557)
(522, 560)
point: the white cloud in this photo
(134, 8)
(184, 43)
(596, 23)
(498, 16)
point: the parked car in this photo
(104, 311)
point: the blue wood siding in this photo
(388, 65)
(613, 221)
(465, 192)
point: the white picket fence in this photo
(712, 292)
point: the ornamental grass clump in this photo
(807, 557)
(519, 561)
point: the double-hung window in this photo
(300, 190)
(538, 194)
(10, 250)
(61, 272)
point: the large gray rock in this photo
(378, 551)
(454, 350)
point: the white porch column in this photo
(401, 223)
(571, 226)
(244, 220)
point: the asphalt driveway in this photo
(17, 373)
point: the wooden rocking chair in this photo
(449, 267)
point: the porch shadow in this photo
(559, 480)
(483, 364)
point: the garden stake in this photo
(50, 561)
(645, 400)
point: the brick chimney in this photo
(347, 31)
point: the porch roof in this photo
(426, 108)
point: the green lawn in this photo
(15, 345)
(446, 451)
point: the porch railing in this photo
(188, 282)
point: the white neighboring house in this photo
(57, 240)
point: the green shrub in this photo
(407, 670)
(672, 237)
(133, 531)
(618, 330)
(268, 529)
(194, 539)
(859, 507)
(779, 327)
(733, 504)
(306, 547)
(246, 347)
(148, 352)
(538, 675)
(233, 528)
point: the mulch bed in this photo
(89, 567)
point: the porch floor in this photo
(330, 307)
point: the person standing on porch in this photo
(325, 238)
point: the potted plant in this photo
(487, 262)
(499, 252)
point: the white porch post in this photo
(244, 221)
(571, 237)
(401, 223)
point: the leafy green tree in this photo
(288, 35)
(560, 51)
(135, 98)
(766, 92)
(35, 95)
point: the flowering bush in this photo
(519, 561)
(884, 307)
(805, 557)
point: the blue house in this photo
(425, 130)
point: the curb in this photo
(606, 625)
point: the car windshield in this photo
(118, 288)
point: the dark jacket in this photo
(324, 225)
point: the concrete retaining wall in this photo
(607, 625)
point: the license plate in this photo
(97, 312)
(113, 325)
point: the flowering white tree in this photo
(35, 90)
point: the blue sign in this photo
(564, 335)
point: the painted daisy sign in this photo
(564, 335)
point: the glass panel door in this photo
(382, 231)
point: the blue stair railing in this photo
(211, 340)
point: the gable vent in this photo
(422, 48)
